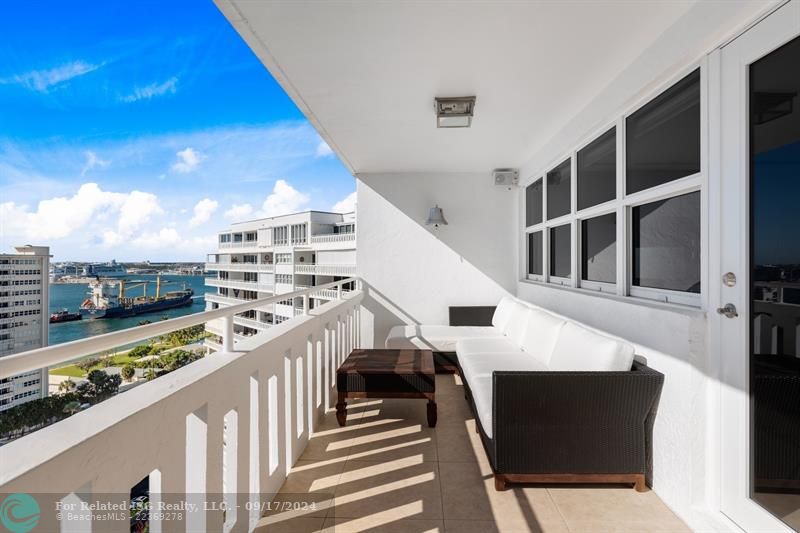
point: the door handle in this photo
(729, 310)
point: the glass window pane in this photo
(663, 137)
(535, 254)
(599, 249)
(597, 171)
(560, 251)
(774, 317)
(666, 244)
(558, 196)
(533, 203)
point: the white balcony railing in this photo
(330, 270)
(333, 237)
(326, 294)
(240, 284)
(225, 300)
(265, 395)
(241, 267)
(235, 245)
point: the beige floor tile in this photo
(313, 476)
(484, 526)
(395, 490)
(459, 443)
(612, 509)
(293, 525)
(375, 524)
(468, 494)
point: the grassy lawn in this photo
(74, 372)
(69, 371)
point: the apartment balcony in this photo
(326, 270)
(246, 245)
(251, 323)
(240, 284)
(224, 300)
(240, 267)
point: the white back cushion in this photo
(517, 324)
(578, 349)
(502, 313)
(541, 335)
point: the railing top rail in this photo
(19, 363)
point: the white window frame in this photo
(622, 205)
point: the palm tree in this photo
(66, 386)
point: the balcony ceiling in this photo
(366, 73)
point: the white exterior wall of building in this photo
(24, 306)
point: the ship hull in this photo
(70, 318)
(137, 309)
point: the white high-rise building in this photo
(278, 255)
(24, 304)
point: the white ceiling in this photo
(365, 73)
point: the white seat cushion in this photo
(541, 334)
(578, 349)
(483, 364)
(465, 347)
(517, 324)
(502, 313)
(436, 338)
(481, 388)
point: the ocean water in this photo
(70, 296)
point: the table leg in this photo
(431, 413)
(341, 409)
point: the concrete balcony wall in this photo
(279, 383)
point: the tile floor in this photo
(387, 471)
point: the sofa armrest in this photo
(472, 315)
(576, 422)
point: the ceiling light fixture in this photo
(454, 112)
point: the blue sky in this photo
(135, 130)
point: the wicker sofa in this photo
(554, 401)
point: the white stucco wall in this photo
(413, 272)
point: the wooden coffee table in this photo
(387, 374)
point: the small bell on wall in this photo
(436, 217)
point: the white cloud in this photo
(323, 149)
(92, 162)
(60, 217)
(238, 212)
(203, 211)
(189, 160)
(164, 238)
(151, 91)
(345, 205)
(284, 199)
(42, 80)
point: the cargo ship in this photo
(108, 299)
(64, 316)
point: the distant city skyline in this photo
(136, 137)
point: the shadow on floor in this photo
(387, 471)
